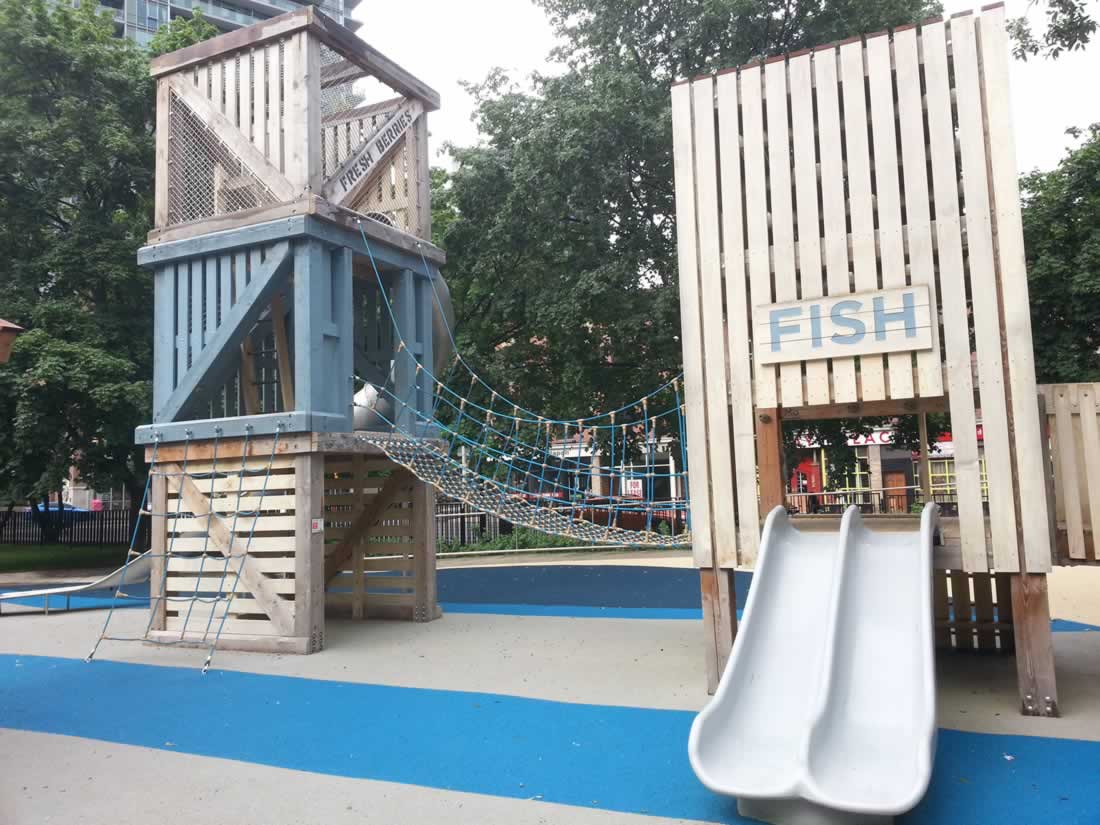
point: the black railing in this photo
(456, 522)
(890, 500)
(68, 527)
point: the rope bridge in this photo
(536, 471)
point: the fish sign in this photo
(862, 323)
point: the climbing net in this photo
(617, 477)
(209, 529)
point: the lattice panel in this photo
(379, 575)
(260, 509)
(205, 178)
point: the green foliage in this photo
(19, 557)
(444, 212)
(522, 537)
(1061, 213)
(1069, 27)
(182, 32)
(76, 182)
(562, 255)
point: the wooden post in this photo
(719, 620)
(158, 545)
(309, 550)
(1034, 645)
(769, 460)
(925, 465)
(358, 587)
(426, 606)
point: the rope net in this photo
(225, 494)
(615, 478)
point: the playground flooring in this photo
(550, 692)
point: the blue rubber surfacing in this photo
(623, 759)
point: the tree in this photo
(1061, 215)
(181, 33)
(76, 180)
(1069, 28)
(562, 257)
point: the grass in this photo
(21, 557)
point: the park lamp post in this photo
(8, 331)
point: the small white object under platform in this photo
(825, 714)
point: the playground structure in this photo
(866, 232)
(856, 206)
(304, 410)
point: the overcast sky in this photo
(447, 41)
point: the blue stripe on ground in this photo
(622, 759)
(574, 611)
(562, 590)
(581, 585)
(593, 591)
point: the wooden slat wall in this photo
(849, 169)
(379, 577)
(263, 525)
(193, 298)
(1075, 453)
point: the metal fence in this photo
(68, 527)
(888, 500)
(456, 522)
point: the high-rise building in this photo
(139, 19)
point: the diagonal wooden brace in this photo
(215, 362)
(346, 182)
(395, 485)
(223, 540)
(233, 138)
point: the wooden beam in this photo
(906, 406)
(250, 396)
(352, 47)
(225, 542)
(355, 172)
(282, 351)
(363, 112)
(161, 178)
(925, 465)
(769, 460)
(309, 216)
(395, 485)
(1034, 646)
(719, 620)
(158, 532)
(426, 606)
(258, 447)
(309, 549)
(245, 38)
(213, 363)
(234, 139)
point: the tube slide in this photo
(826, 710)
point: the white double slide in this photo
(826, 712)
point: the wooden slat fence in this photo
(1071, 411)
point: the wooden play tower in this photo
(285, 151)
(850, 244)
